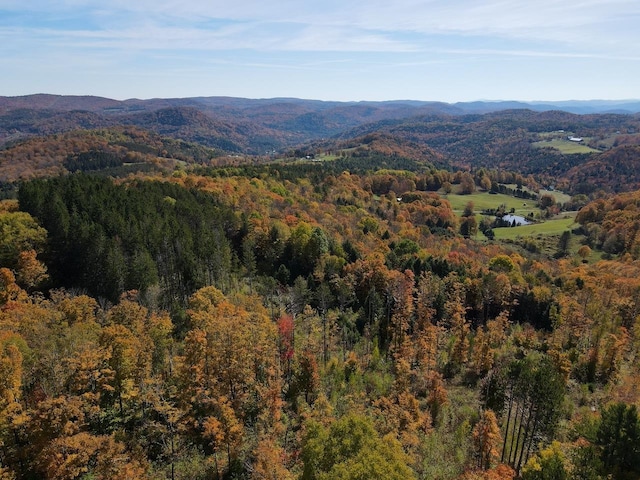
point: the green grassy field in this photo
(564, 146)
(554, 226)
(483, 200)
(559, 196)
(325, 157)
(547, 229)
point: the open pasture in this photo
(564, 146)
(555, 226)
(485, 201)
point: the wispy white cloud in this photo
(227, 37)
(463, 40)
(363, 25)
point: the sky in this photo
(344, 50)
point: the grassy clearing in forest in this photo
(559, 196)
(484, 200)
(566, 147)
(554, 226)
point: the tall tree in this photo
(487, 439)
(619, 438)
(534, 395)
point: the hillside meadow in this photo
(491, 201)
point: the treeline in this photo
(515, 192)
(92, 160)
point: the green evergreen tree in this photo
(619, 438)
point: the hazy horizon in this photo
(479, 100)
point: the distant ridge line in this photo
(94, 103)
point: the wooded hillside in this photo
(343, 316)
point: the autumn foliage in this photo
(280, 322)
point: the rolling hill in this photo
(617, 170)
(251, 125)
(115, 151)
(510, 136)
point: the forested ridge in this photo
(254, 126)
(329, 317)
(115, 152)
(506, 140)
(514, 141)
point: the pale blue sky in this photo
(456, 50)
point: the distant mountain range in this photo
(234, 105)
(572, 106)
(240, 125)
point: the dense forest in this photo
(323, 315)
